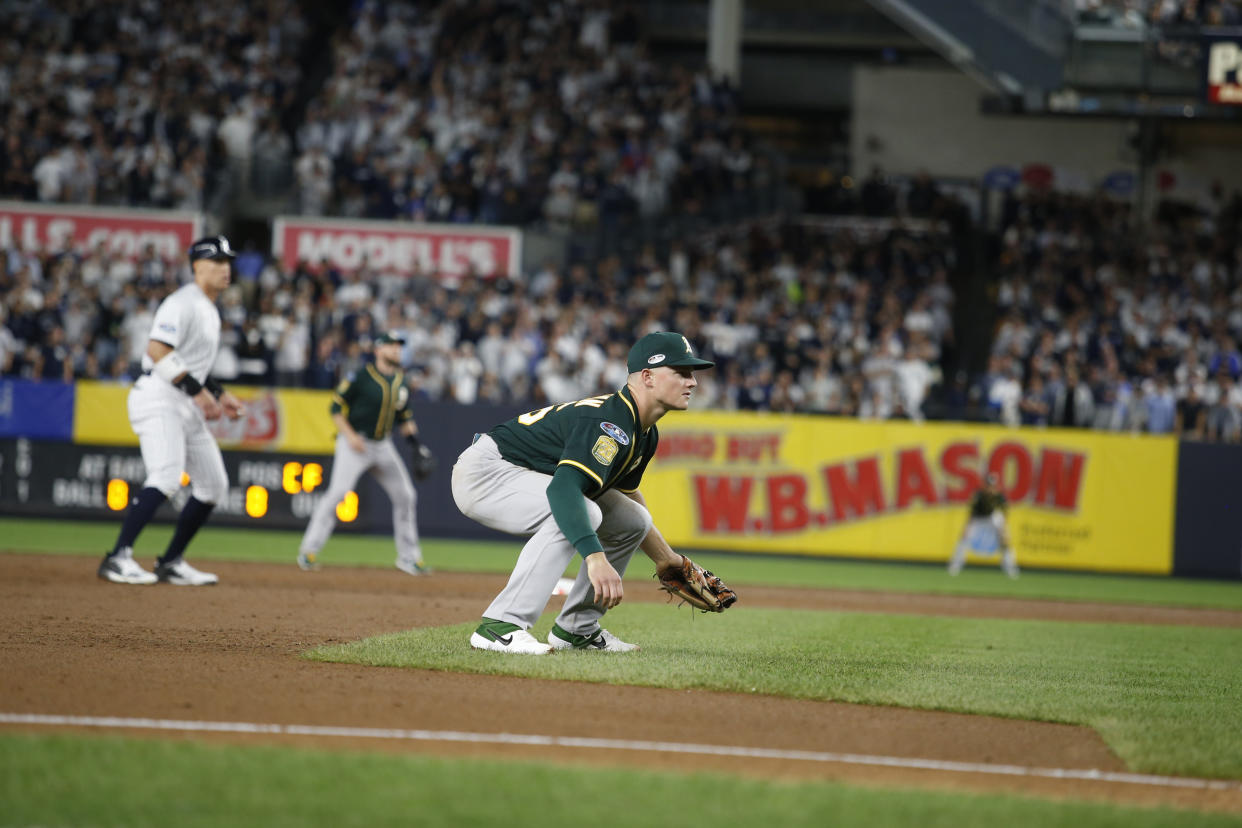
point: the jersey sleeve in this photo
(592, 450)
(568, 504)
(170, 322)
(342, 396)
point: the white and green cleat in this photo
(502, 637)
(600, 641)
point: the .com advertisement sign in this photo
(123, 233)
(900, 491)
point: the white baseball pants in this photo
(173, 435)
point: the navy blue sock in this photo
(140, 512)
(193, 516)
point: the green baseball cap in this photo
(664, 348)
(390, 338)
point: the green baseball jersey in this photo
(372, 402)
(599, 436)
(984, 503)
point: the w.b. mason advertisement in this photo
(819, 486)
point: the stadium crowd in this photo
(849, 320)
(1098, 326)
(139, 103)
(1136, 13)
(1103, 327)
(494, 112)
(552, 114)
(507, 113)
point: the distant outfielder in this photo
(169, 407)
(986, 533)
(568, 475)
(365, 407)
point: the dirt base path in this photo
(76, 646)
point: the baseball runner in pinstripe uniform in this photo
(169, 407)
(568, 476)
(365, 407)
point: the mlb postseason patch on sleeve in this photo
(604, 450)
(616, 432)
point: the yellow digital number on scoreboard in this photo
(295, 477)
(256, 501)
(118, 494)
(347, 509)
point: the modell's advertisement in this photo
(440, 250)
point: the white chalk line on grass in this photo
(1090, 774)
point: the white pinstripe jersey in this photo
(189, 322)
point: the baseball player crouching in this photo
(365, 407)
(986, 533)
(567, 476)
(169, 407)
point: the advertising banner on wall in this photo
(36, 409)
(403, 247)
(282, 419)
(817, 486)
(124, 233)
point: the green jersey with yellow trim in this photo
(983, 503)
(372, 401)
(599, 436)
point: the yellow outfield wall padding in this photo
(291, 420)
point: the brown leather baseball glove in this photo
(696, 586)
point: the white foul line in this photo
(1090, 774)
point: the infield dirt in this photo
(77, 646)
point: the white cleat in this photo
(515, 640)
(601, 642)
(121, 568)
(181, 573)
(413, 567)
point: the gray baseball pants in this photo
(382, 459)
(509, 498)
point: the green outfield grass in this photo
(1164, 698)
(59, 780)
(227, 544)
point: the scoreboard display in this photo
(1223, 69)
(268, 489)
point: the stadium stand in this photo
(557, 117)
(521, 114)
(141, 104)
